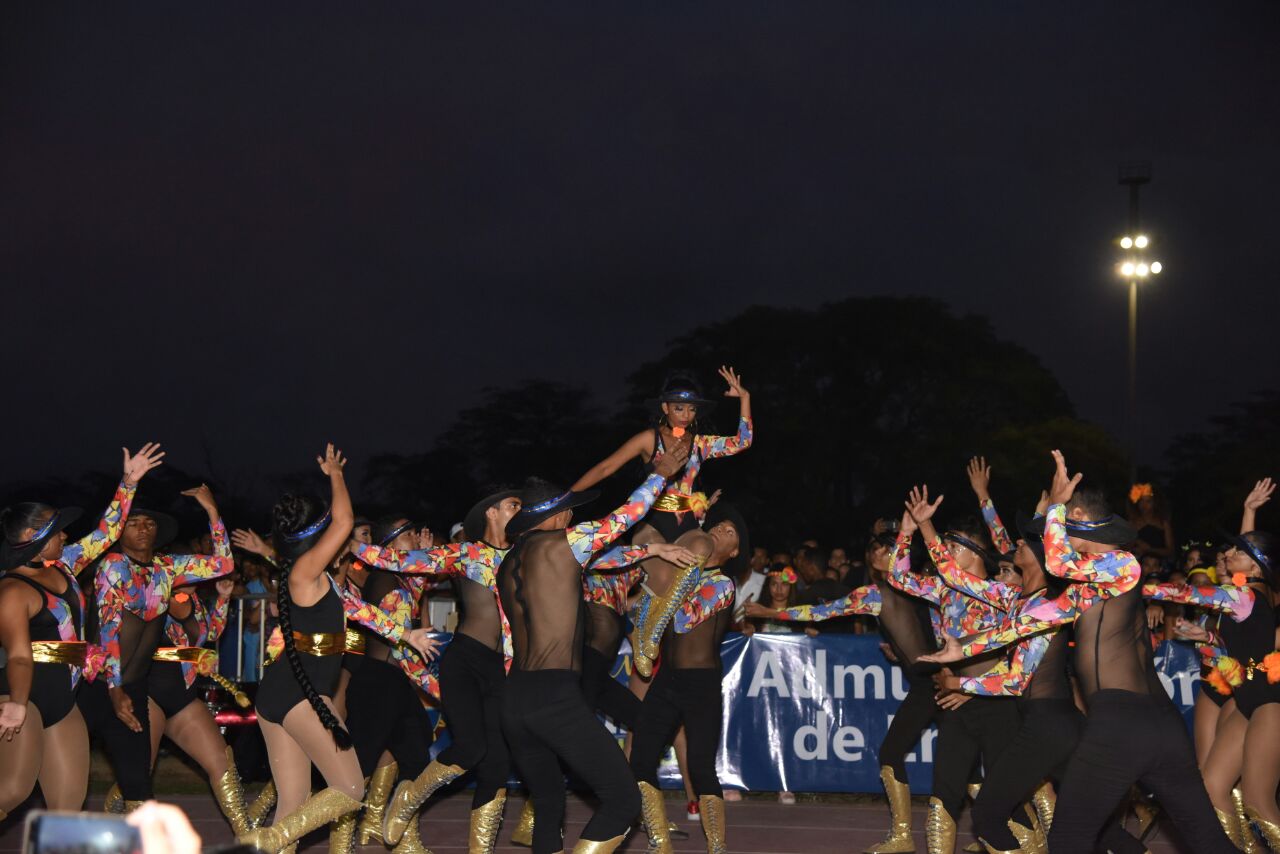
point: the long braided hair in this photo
(291, 514)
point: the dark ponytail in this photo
(292, 514)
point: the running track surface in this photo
(755, 827)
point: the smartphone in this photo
(48, 832)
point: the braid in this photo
(340, 735)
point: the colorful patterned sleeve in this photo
(913, 584)
(610, 589)
(111, 582)
(714, 594)
(1010, 678)
(375, 619)
(83, 552)
(1235, 602)
(215, 620)
(994, 593)
(999, 534)
(189, 569)
(711, 447)
(864, 601)
(587, 538)
(1062, 560)
(1037, 615)
(441, 560)
(618, 557)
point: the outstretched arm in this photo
(638, 446)
(1235, 602)
(587, 538)
(862, 601)
(1259, 495)
(1009, 678)
(440, 560)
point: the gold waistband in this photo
(676, 502)
(184, 654)
(320, 643)
(355, 642)
(59, 652)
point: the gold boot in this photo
(412, 794)
(114, 801)
(586, 846)
(1269, 830)
(1045, 801)
(229, 794)
(523, 834)
(485, 823)
(1029, 840)
(939, 829)
(377, 789)
(130, 806)
(1230, 827)
(653, 810)
(262, 804)
(1248, 842)
(899, 840)
(658, 613)
(711, 810)
(318, 810)
(411, 842)
(342, 834)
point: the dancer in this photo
(133, 587)
(42, 733)
(687, 688)
(295, 699)
(681, 509)
(472, 671)
(544, 715)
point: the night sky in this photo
(242, 229)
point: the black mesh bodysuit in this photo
(540, 583)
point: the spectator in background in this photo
(839, 561)
(751, 584)
(815, 565)
(1151, 520)
(456, 533)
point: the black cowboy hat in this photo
(166, 525)
(542, 500)
(13, 555)
(1111, 531)
(723, 511)
(474, 523)
(1033, 538)
(680, 387)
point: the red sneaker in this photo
(692, 811)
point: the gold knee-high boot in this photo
(114, 801)
(1231, 826)
(229, 794)
(412, 794)
(411, 842)
(486, 821)
(1248, 842)
(711, 810)
(939, 829)
(586, 846)
(378, 790)
(262, 804)
(320, 809)
(653, 809)
(342, 833)
(1269, 830)
(899, 840)
(1045, 801)
(523, 834)
(1029, 840)
(656, 613)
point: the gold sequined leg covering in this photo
(523, 834)
(1269, 829)
(653, 810)
(1045, 801)
(899, 840)
(939, 829)
(262, 805)
(411, 842)
(342, 834)
(229, 794)
(320, 809)
(412, 794)
(1248, 841)
(377, 790)
(711, 810)
(114, 802)
(658, 614)
(486, 821)
(1029, 840)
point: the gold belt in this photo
(59, 652)
(320, 643)
(185, 655)
(354, 641)
(678, 502)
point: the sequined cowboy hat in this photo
(166, 525)
(723, 511)
(17, 553)
(681, 387)
(474, 523)
(1260, 547)
(1110, 530)
(540, 501)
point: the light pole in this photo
(1134, 268)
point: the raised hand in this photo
(149, 456)
(672, 460)
(204, 495)
(918, 506)
(1042, 506)
(980, 478)
(735, 383)
(671, 553)
(250, 541)
(908, 525)
(332, 462)
(426, 539)
(1064, 485)
(1259, 495)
